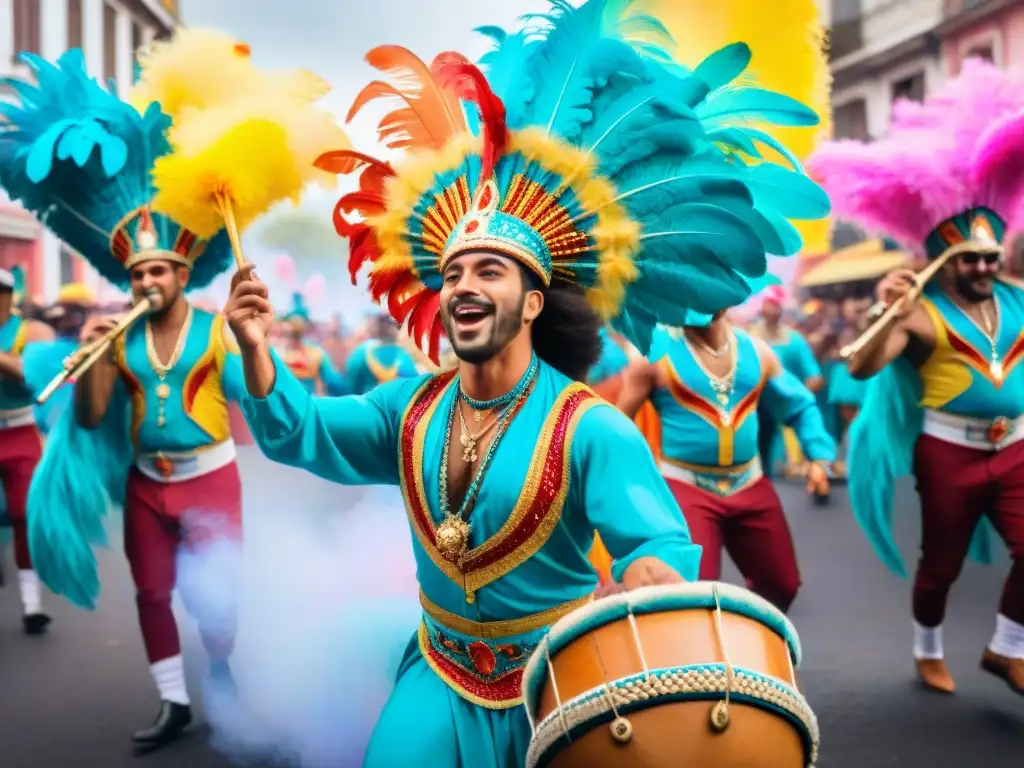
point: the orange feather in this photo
(431, 115)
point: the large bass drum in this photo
(688, 676)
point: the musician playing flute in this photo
(708, 381)
(518, 245)
(149, 430)
(20, 443)
(945, 399)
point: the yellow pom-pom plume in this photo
(195, 69)
(788, 43)
(248, 167)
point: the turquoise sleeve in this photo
(809, 368)
(352, 440)
(333, 381)
(793, 404)
(232, 380)
(625, 498)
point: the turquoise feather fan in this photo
(79, 158)
(599, 161)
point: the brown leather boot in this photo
(935, 675)
(1010, 671)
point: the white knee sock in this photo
(169, 676)
(31, 594)
(928, 642)
(1008, 640)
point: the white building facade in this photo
(109, 32)
(881, 50)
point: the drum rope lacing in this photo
(554, 688)
(720, 712)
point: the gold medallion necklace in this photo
(163, 389)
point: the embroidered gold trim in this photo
(496, 630)
(451, 682)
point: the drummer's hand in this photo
(649, 572)
(817, 479)
(96, 326)
(895, 285)
(248, 311)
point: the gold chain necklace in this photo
(163, 389)
(469, 440)
(991, 334)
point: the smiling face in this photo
(162, 281)
(974, 273)
(485, 304)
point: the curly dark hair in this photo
(566, 333)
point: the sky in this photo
(330, 38)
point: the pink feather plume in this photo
(962, 147)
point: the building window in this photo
(847, 32)
(109, 42)
(909, 88)
(850, 120)
(74, 23)
(138, 40)
(27, 27)
(67, 265)
(981, 51)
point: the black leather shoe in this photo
(170, 721)
(35, 623)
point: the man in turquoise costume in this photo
(307, 360)
(149, 432)
(378, 360)
(578, 182)
(20, 444)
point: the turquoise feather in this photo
(674, 144)
(82, 475)
(882, 440)
(80, 159)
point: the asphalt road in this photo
(72, 698)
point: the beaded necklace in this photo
(453, 532)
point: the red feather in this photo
(362, 250)
(470, 84)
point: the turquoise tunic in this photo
(373, 363)
(325, 372)
(204, 379)
(14, 395)
(568, 464)
(698, 429)
(612, 362)
(958, 377)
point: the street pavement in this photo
(73, 697)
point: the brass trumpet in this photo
(889, 315)
(86, 356)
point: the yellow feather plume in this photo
(224, 155)
(789, 56)
(200, 69)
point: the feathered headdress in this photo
(586, 154)
(949, 174)
(80, 159)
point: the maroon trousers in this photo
(958, 485)
(160, 518)
(753, 529)
(20, 451)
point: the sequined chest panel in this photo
(691, 408)
(536, 512)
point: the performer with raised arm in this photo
(20, 444)
(946, 396)
(509, 241)
(707, 382)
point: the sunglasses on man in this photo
(971, 258)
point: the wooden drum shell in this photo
(676, 733)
